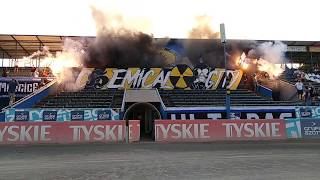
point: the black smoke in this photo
(211, 51)
(120, 47)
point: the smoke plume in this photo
(203, 30)
(269, 56)
(274, 52)
(118, 46)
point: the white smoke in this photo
(62, 63)
(274, 52)
(270, 56)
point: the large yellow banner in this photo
(178, 77)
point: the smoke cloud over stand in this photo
(269, 56)
(118, 46)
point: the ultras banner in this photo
(209, 130)
(67, 132)
(179, 77)
(25, 87)
(219, 113)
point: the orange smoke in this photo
(274, 70)
(243, 61)
(70, 56)
(59, 62)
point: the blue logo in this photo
(235, 115)
(49, 116)
(21, 116)
(77, 115)
(104, 115)
(305, 112)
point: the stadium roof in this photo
(18, 46)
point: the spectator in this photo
(299, 87)
(307, 95)
(33, 69)
(45, 72)
(16, 66)
(245, 80)
(5, 72)
(12, 91)
(36, 73)
(316, 95)
(255, 82)
(42, 83)
(312, 91)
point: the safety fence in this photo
(61, 114)
(69, 132)
(210, 130)
(251, 129)
(106, 131)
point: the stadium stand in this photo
(86, 98)
(191, 98)
(306, 78)
(26, 72)
(22, 72)
(95, 98)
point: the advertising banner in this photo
(293, 128)
(308, 112)
(310, 128)
(236, 113)
(62, 132)
(208, 130)
(25, 87)
(64, 114)
(134, 130)
(314, 48)
(296, 49)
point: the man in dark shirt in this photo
(4, 72)
(12, 91)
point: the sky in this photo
(243, 19)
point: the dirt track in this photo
(248, 160)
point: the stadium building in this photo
(181, 79)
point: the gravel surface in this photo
(148, 160)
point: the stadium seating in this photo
(22, 72)
(194, 98)
(87, 98)
(111, 98)
(306, 78)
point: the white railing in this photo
(161, 102)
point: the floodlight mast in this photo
(224, 42)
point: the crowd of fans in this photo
(307, 92)
(304, 86)
(43, 73)
(251, 81)
(30, 72)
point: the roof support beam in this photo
(6, 52)
(20, 45)
(40, 41)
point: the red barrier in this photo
(62, 132)
(134, 130)
(211, 130)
